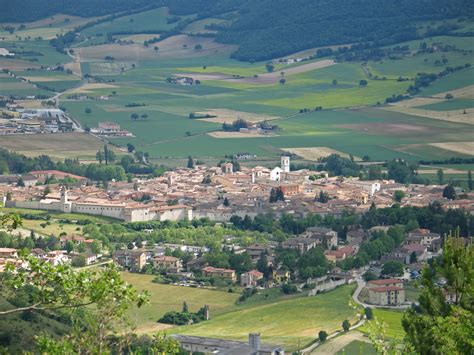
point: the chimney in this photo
(254, 341)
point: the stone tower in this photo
(285, 164)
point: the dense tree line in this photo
(30, 10)
(272, 28)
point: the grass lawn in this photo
(164, 298)
(392, 321)
(53, 229)
(357, 347)
(293, 323)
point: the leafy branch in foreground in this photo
(60, 286)
(443, 321)
(97, 301)
(10, 221)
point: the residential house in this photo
(134, 260)
(169, 263)
(8, 253)
(341, 253)
(280, 276)
(56, 257)
(250, 278)
(226, 274)
(256, 250)
(424, 237)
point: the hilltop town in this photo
(218, 193)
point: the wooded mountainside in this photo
(267, 29)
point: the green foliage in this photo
(438, 324)
(346, 325)
(322, 335)
(288, 288)
(449, 192)
(398, 195)
(392, 268)
(369, 314)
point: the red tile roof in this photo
(385, 281)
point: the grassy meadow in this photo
(392, 321)
(293, 323)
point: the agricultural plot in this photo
(450, 105)
(46, 28)
(314, 153)
(57, 146)
(293, 323)
(172, 47)
(12, 86)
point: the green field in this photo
(455, 104)
(357, 347)
(164, 298)
(392, 321)
(293, 323)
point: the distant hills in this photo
(267, 29)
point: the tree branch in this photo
(35, 307)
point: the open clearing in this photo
(293, 323)
(229, 116)
(314, 153)
(164, 298)
(56, 145)
(458, 147)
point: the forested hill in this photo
(272, 28)
(265, 29)
(31, 10)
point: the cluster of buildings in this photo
(17, 120)
(110, 129)
(218, 193)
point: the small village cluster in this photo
(218, 193)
